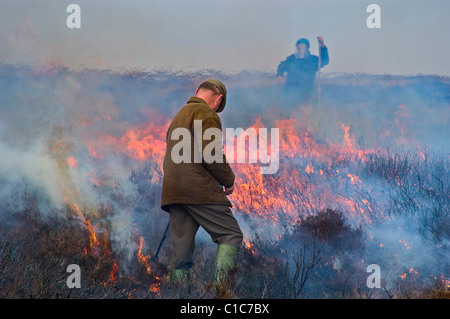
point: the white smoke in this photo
(32, 166)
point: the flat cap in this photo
(222, 89)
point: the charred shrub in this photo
(260, 270)
(329, 226)
(391, 167)
(320, 256)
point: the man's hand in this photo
(320, 39)
(229, 190)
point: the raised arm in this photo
(324, 57)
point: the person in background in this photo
(298, 72)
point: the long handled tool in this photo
(319, 89)
(161, 242)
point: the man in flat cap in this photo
(195, 189)
(298, 72)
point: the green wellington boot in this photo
(226, 256)
(178, 275)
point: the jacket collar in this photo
(195, 99)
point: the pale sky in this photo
(230, 36)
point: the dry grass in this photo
(319, 257)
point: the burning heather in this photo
(363, 179)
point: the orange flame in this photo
(113, 272)
(93, 241)
(143, 259)
(249, 246)
(155, 286)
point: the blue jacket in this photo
(301, 73)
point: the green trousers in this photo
(185, 220)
